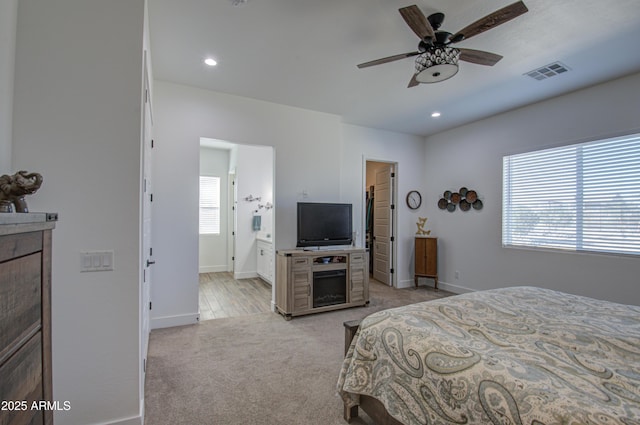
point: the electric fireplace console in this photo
(324, 280)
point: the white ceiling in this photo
(304, 53)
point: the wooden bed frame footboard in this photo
(372, 407)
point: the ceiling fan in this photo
(437, 60)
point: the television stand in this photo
(316, 281)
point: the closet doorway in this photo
(380, 219)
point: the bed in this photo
(520, 355)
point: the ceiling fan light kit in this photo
(436, 61)
(437, 65)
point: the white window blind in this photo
(582, 197)
(209, 205)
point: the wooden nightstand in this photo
(426, 259)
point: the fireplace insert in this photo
(329, 288)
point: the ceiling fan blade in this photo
(479, 57)
(388, 59)
(413, 82)
(416, 20)
(492, 20)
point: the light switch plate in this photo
(96, 261)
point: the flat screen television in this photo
(324, 224)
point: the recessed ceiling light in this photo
(435, 114)
(210, 62)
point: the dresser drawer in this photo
(20, 300)
(21, 381)
(18, 245)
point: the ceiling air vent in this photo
(548, 71)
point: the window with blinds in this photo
(209, 205)
(582, 197)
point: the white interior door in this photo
(383, 226)
(231, 223)
(147, 198)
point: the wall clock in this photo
(414, 199)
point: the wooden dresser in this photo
(426, 259)
(25, 318)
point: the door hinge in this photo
(391, 271)
(144, 365)
(393, 175)
(233, 258)
(151, 197)
(393, 207)
(144, 275)
(392, 239)
(150, 305)
(152, 143)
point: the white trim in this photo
(245, 275)
(171, 321)
(212, 269)
(456, 289)
(133, 420)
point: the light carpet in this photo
(258, 369)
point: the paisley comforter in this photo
(520, 355)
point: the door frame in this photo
(394, 211)
(145, 226)
(232, 199)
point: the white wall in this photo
(314, 153)
(254, 176)
(77, 120)
(471, 156)
(305, 145)
(213, 247)
(8, 20)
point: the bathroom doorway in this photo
(242, 209)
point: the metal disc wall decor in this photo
(471, 196)
(465, 199)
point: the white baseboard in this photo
(171, 321)
(405, 284)
(133, 420)
(456, 289)
(212, 269)
(244, 275)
